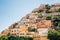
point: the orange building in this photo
(44, 24)
(17, 31)
(43, 27)
(23, 28)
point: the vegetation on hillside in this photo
(4, 37)
(54, 35)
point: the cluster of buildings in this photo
(53, 7)
(21, 28)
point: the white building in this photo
(43, 31)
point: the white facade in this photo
(43, 31)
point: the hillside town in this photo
(37, 23)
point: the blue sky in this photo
(13, 10)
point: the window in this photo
(28, 34)
(21, 33)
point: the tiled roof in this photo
(44, 24)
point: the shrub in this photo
(48, 17)
(47, 6)
(4, 37)
(32, 29)
(40, 16)
(40, 11)
(20, 38)
(48, 11)
(58, 10)
(35, 10)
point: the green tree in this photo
(48, 11)
(21, 38)
(30, 38)
(56, 21)
(54, 35)
(26, 38)
(47, 6)
(4, 37)
(58, 10)
(48, 17)
(58, 24)
(11, 38)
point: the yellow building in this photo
(18, 31)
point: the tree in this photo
(11, 38)
(22, 38)
(54, 35)
(30, 38)
(26, 38)
(48, 17)
(58, 24)
(58, 10)
(56, 21)
(48, 11)
(47, 6)
(4, 37)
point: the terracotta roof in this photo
(44, 24)
(41, 26)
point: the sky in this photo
(13, 10)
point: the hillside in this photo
(37, 23)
